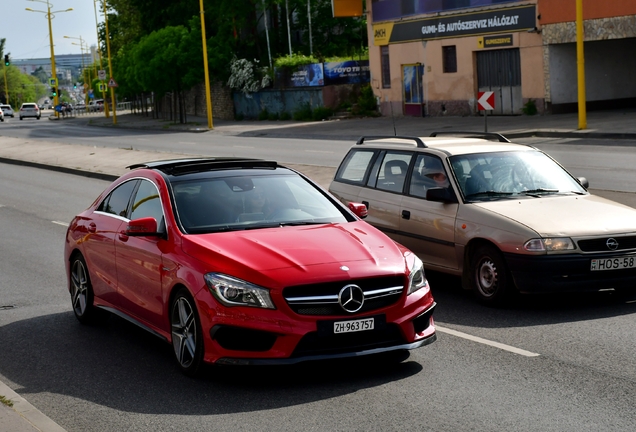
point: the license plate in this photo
(612, 263)
(353, 326)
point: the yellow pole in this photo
(99, 52)
(110, 65)
(580, 63)
(6, 86)
(53, 71)
(205, 68)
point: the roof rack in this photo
(182, 166)
(488, 135)
(417, 140)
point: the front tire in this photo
(82, 293)
(489, 276)
(187, 337)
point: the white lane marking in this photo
(486, 342)
(60, 223)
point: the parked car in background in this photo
(30, 109)
(505, 217)
(7, 110)
(1, 115)
(241, 262)
(96, 105)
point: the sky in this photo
(27, 33)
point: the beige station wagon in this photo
(505, 217)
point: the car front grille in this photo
(601, 244)
(314, 344)
(322, 299)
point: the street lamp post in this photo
(86, 78)
(50, 15)
(110, 63)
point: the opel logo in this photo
(611, 244)
(351, 298)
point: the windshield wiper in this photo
(538, 191)
(490, 193)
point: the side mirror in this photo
(443, 195)
(359, 209)
(584, 182)
(142, 227)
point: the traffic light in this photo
(53, 92)
(74, 85)
(6, 60)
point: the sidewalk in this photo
(615, 124)
(109, 163)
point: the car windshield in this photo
(505, 175)
(251, 202)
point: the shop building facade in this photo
(432, 57)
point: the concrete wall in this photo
(276, 101)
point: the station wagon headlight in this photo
(417, 279)
(549, 244)
(236, 292)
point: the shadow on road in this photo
(121, 366)
(457, 306)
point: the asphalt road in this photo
(119, 378)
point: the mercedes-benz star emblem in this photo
(611, 244)
(351, 298)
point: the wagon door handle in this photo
(406, 214)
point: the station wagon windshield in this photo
(514, 174)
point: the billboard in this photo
(310, 75)
(347, 72)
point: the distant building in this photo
(67, 66)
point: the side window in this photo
(428, 173)
(449, 59)
(147, 202)
(393, 171)
(117, 201)
(386, 67)
(355, 166)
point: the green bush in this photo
(367, 101)
(264, 114)
(530, 107)
(303, 113)
(321, 113)
(285, 116)
(272, 116)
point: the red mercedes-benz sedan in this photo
(244, 261)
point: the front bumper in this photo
(568, 273)
(278, 337)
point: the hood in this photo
(572, 216)
(302, 247)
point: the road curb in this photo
(28, 412)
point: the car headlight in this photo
(236, 292)
(549, 244)
(417, 279)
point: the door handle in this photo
(406, 214)
(92, 228)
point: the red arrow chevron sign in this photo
(486, 101)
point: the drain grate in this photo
(6, 307)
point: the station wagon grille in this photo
(322, 299)
(601, 244)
